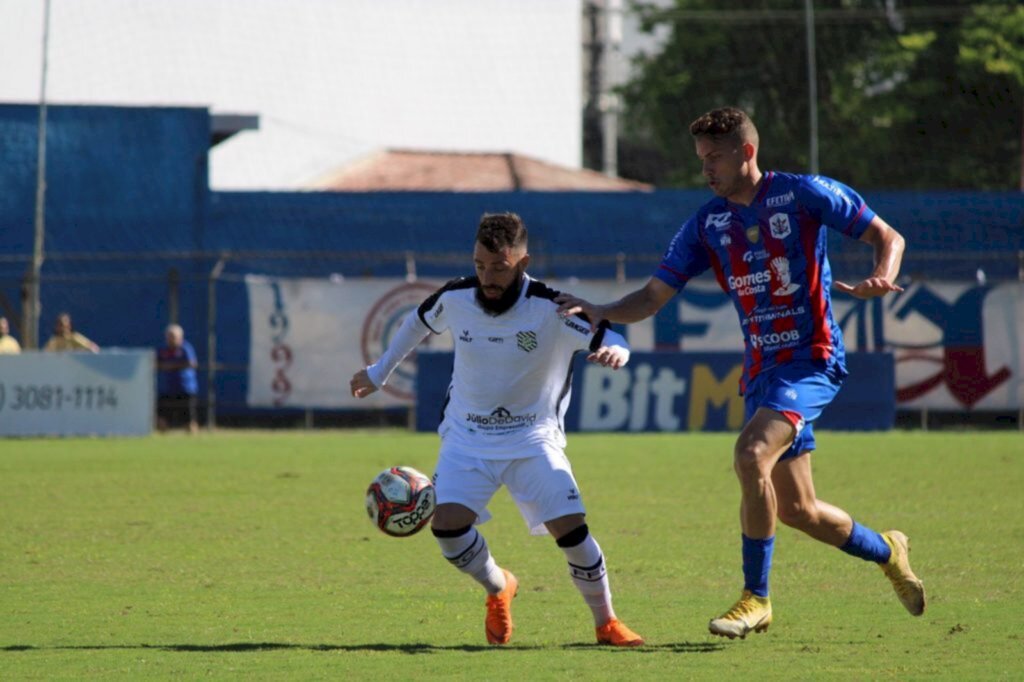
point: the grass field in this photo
(249, 555)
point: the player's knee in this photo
(451, 517)
(796, 515)
(750, 460)
(573, 537)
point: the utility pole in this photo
(812, 86)
(30, 314)
(610, 101)
(603, 58)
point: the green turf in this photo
(250, 555)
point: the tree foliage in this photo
(911, 95)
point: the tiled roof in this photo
(398, 170)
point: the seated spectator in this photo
(8, 344)
(177, 384)
(66, 339)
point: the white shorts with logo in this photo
(540, 482)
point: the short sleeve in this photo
(432, 311)
(836, 206)
(685, 258)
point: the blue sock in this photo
(867, 544)
(757, 562)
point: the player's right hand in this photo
(360, 385)
(569, 305)
(610, 356)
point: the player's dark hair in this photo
(500, 230)
(725, 123)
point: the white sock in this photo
(586, 566)
(469, 553)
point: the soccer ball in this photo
(400, 501)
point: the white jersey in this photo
(512, 377)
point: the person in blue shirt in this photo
(762, 235)
(177, 384)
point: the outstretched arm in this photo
(888, 245)
(633, 307)
(409, 335)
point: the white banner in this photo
(309, 336)
(956, 345)
(77, 394)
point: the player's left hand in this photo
(872, 287)
(610, 356)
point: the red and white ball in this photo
(400, 501)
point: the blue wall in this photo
(134, 180)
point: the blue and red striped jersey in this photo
(770, 258)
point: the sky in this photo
(331, 80)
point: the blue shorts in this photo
(800, 390)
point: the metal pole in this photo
(812, 85)
(609, 101)
(410, 266)
(211, 343)
(31, 316)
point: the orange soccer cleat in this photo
(615, 633)
(499, 611)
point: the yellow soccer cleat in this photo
(908, 588)
(498, 623)
(751, 612)
(615, 633)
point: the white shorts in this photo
(540, 482)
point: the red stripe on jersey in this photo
(739, 268)
(853, 222)
(777, 249)
(821, 335)
(683, 279)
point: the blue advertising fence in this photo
(679, 392)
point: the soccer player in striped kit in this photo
(503, 419)
(762, 236)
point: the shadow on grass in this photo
(243, 647)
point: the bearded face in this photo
(501, 277)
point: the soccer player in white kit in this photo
(503, 419)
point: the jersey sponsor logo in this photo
(753, 234)
(572, 324)
(495, 339)
(790, 337)
(751, 256)
(774, 314)
(500, 420)
(436, 312)
(782, 200)
(383, 320)
(725, 240)
(780, 266)
(526, 341)
(790, 393)
(780, 227)
(719, 221)
(464, 336)
(751, 283)
(832, 189)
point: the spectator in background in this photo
(8, 344)
(66, 339)
(177, 384)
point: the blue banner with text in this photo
(679, 392)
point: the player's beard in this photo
(508, 298)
